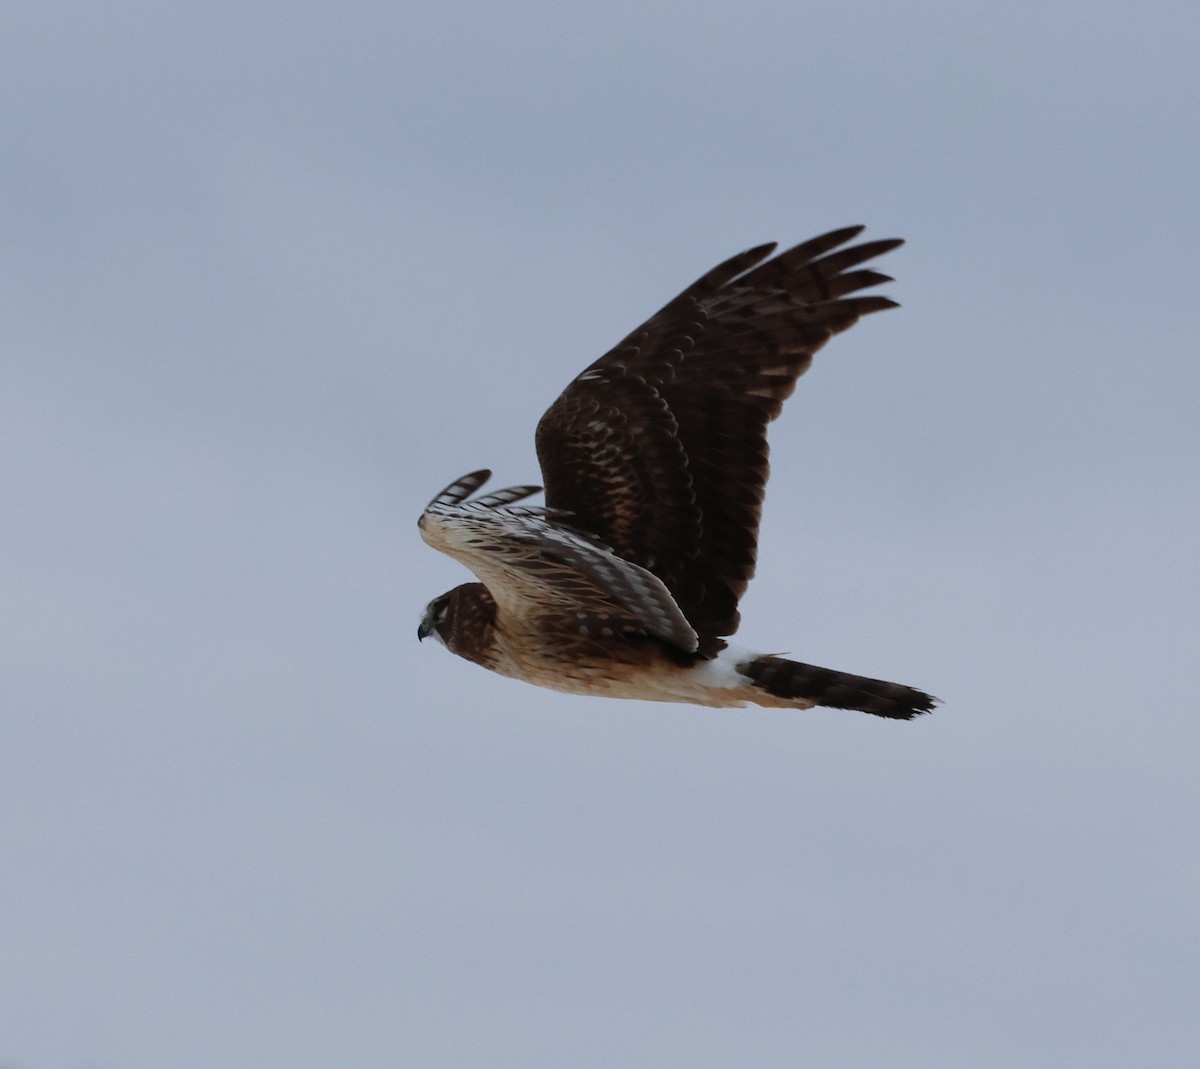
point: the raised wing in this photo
(544, 572)
(659, 448)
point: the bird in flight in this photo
(626, 582)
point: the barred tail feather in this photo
(808, 685)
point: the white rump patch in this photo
(722, 671)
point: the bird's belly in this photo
(637, 670)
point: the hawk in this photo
(626, 582)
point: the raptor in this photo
(626, 582)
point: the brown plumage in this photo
(655, 464)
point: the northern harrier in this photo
(626, 583)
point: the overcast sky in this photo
(274, 274)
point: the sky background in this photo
(272, 275)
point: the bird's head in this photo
(462, 620)
(434, 621)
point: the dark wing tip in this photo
(758, 252)
(867, 305)
(839, 236)
(881, 245)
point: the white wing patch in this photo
(533, 564)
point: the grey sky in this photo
(272, 275)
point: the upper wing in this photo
(540, 569)
(659, 448)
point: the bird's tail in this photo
(780, 682)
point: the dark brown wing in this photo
(659, 448)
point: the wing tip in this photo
(462, 488)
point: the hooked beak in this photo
(424, 631)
